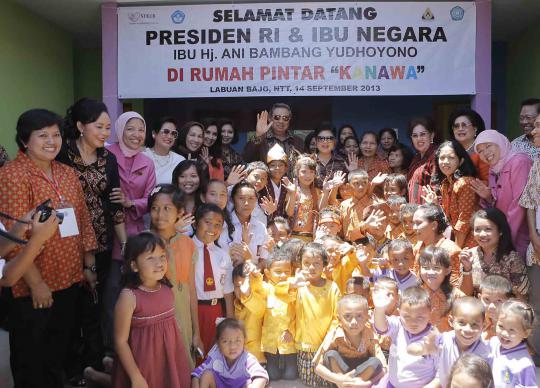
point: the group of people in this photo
(166, 258)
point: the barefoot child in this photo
(228, 364)
(349, 353)
(149, 346)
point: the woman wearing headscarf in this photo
(508, 174)
(137, 179)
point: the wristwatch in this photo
(92, 268)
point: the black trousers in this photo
(86, 347)
(38, 339)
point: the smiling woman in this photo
(56, 275)
(508, 173)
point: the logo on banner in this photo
(457, 13)
(141, 18)
(178, 17)
(428, 15)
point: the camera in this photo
(46, 211)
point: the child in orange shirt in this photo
(435, 271)
(395, 228)
(406, 214)
(352, 210)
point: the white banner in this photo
(303, 49)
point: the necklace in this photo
(145, 289)
(87, 161)
(158, 158)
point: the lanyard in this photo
(54, 184)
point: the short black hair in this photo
(531, 101)
(34, 120)
(391, 131)
(474, 117)
(315, 249)
(229, 323)
(425, 121)
(407, 153)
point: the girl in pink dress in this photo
(149, 347)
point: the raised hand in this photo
(289, 186)
(238, 174)
(263, 125)
(184, 220)
(205, 154)
(268, 204)
(337, 180)
(381, 299)
(466, 256)
(375, 219)
(429, 195)
(378, 179)
(481, 189)
(299, 279)
(352, 158)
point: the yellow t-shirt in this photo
(316, 313)
(279, 316)
(250, 310)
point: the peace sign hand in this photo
(263, 125)
(482, 190)
(375, 219)
(299, 279)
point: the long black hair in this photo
(466, 168)
(181, 141)
(201, 171)
(215, 150)
(496, 216)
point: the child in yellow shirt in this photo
(316, 309)
(249, 306)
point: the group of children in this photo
(327, 285)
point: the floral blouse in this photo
(459, 202)
(97, 181)
(530, 199)
(510, 266)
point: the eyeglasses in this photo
(326, 138)
(279, 117)
(461, 125)
(167, 131)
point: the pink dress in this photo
(155, 342)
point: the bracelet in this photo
(466, 272)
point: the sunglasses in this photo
(167, 131)
(326, 138)
(278, 117)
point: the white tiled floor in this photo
(6, 382)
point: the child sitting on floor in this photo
(349, 353)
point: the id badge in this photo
(69, 226)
